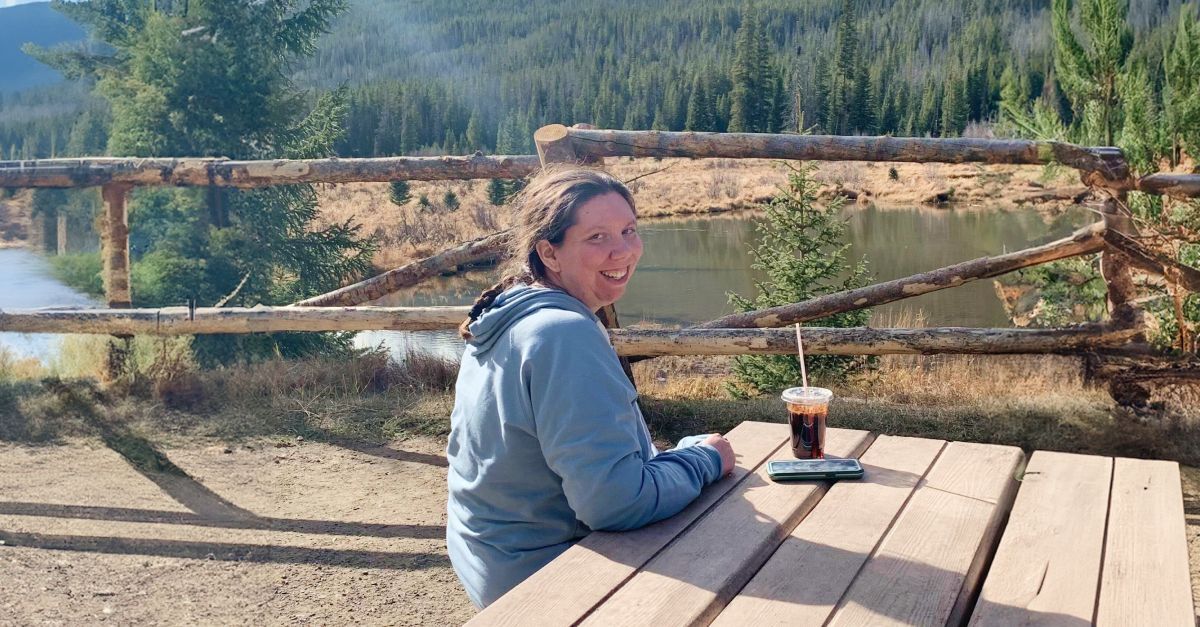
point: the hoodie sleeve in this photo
(591, 433)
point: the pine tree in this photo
(954, 107)
(1181, 91)
(699, 108)
(1090, 76)
(399, 193)
(474, 133)
(746, 112)
(1141, 137)
(803, 254)
(497, 192)
(842, 88)
(210, 78)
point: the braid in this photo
(488, 296)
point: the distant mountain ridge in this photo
(31, 23)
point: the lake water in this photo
(689, 266)
(27, 283)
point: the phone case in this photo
(808, 476)
(816, 474)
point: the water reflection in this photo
(690, 265)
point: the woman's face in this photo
(598, 254)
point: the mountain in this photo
(31, 23)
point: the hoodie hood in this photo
(515, 303)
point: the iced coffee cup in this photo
(807, 411)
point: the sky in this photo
(10, 3)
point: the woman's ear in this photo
(546, 251)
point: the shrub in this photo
(450, 200)
(399, 193)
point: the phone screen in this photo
(813, 465)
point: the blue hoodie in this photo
(547, 443)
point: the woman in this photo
(547, 442)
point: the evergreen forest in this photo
(458, 76)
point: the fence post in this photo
(1118, 278)
(1115, 265)
(114, 252)
(554, 146)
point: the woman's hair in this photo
(546, 208)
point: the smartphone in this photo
(802, 469)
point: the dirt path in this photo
(310, 533)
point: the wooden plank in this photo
(1145, 580)
(927, 568)
(694, 578)
(813, 568)
(579, 579)
(1047, 567)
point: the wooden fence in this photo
(1116, 347)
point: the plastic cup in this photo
(808, 410)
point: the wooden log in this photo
(475, 251)
(554, 145)
(818, 341)
(1107, 162)
(182, 321)
(1084, 241)
(114, 247)
(1180, 186)
(1114, 265)
(867, 341)
(1149, 261)
(225, 173)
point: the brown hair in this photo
(546, 209)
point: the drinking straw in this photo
(800, 349)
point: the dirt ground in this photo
(308, 533)
(269, 533)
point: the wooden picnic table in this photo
(936, 533)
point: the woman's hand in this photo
(723, 447)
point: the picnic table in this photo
(936, 533)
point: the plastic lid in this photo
(807, 396)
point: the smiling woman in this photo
(547, 441)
